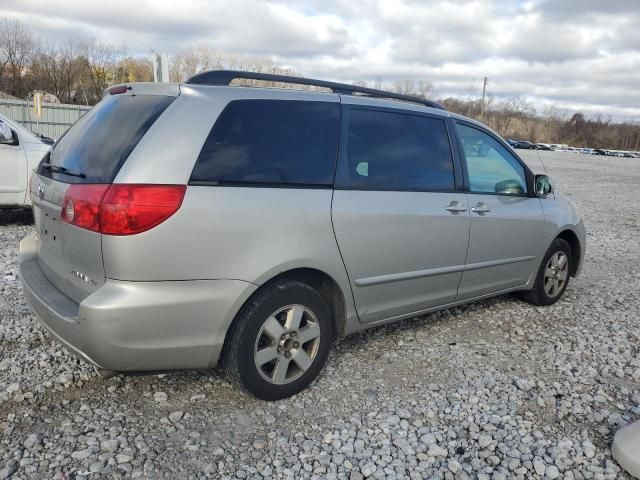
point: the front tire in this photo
(280, 340)
(553, 276)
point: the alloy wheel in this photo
(287, 344)
(555, 274)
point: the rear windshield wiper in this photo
(63, 170)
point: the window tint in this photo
(99, 143)
(273, 142)
(491, 167)
(393, 151)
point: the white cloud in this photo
(576, 54)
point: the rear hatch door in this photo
(89, 153)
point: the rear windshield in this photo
(94, 149)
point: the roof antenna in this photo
(541, 162)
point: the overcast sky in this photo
(576, 54)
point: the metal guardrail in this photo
(55, 120)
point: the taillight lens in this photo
(121, 209)
(81, 206)
(129, 209)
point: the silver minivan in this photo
(184, 226)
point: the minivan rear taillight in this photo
(120, 209)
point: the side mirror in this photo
(543, 185)
(7, 136)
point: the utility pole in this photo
(484, 93)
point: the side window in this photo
(272, 142)
(394, 151)
(492, 169)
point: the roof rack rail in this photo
(225, 77)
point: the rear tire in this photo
(553, 276)
(280, 340)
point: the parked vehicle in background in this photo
(544, 146)
(512, 143)
(525, 144)
(600, 151)
(20, 152)
(183, 226)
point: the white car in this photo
(20, 152)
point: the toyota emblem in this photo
(41, 189)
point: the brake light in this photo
(120, 209)
(119, 89)
(129, 209)
(81, 206)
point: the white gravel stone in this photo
(160, 397)
(175, 417)
(368, 469)
(539, 466)
(437, 451)
(552, 472)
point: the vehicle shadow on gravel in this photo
(428, 320)
(16, 216)
(365, 339)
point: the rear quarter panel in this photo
(240, 233)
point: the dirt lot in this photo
(497, 389)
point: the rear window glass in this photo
(99, 143)
(272, 142)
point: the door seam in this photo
(335, 237)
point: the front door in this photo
(401, 226)
(13, 173)
(507, 224)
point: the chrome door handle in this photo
(481, 208)
(455, 207)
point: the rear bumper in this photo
(137, 326)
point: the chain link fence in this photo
(55, 119)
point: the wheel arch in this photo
(320, 281)
(572, 239)
(328, 288)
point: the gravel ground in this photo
(493, 390)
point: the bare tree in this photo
(56, 69)
(420, 88)
(100, 65)
(16, 46)
(202, 58)
(132, 69)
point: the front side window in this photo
(395, 151)
(274, 142)
(491, 168)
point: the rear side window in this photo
(394, 151)
(274, 142)
(99, 143)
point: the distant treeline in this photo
(78, 70)
(515, 118)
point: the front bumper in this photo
(137, 326)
